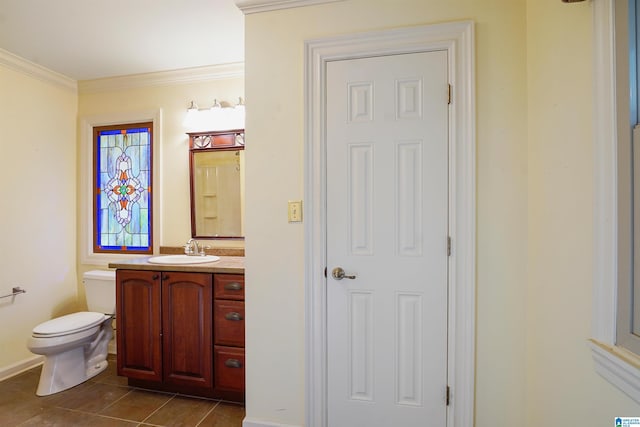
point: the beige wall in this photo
(534, 195)
(275, 296)
(37, 219)
(562, 388)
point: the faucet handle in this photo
(188, 247)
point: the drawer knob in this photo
(234, 315)
(233, 286)
(233, 363)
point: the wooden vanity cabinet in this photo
(228, 332)
(164, 327)
(174, 335)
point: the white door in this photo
(387, 225)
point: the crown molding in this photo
(164, 78)
(34, 70)
(257, 6)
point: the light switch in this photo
(295, 211)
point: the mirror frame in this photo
(227, 140)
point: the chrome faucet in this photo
(191, 248)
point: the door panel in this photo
(139, 324)
(387, 225)
(187, 303)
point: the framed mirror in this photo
(216, 163)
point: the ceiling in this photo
(90, 39)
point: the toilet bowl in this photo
(75, 346)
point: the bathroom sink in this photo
(183, 259)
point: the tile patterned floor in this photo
(107, 401)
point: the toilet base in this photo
(94, 370)
(62, 371)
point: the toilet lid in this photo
(70, 323)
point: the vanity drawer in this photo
(229, 368)
(228, 286)
(228, 321)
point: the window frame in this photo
(126, 127)
(616, 364)
(86, 251)
(625, 116)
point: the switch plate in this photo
(295, 211)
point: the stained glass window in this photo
(122, 188)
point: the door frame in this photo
(457, 38)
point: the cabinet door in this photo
(187, 300)
(139, 324)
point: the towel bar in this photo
(15, 291)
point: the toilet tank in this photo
(100, 290)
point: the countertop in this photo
(226, 264)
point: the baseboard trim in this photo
(247, 422)
(20, 367)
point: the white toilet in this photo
(75, 346)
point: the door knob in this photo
(339, 274)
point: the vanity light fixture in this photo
(220, 116)
(192, 112)
(216, 105)
(216, 112)
(192, 107)
(239, 114)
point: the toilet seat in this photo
(69, 324)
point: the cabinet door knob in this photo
(233, 363)
(165, 277)
(233, 315)
(155, 277)
(234, 286)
